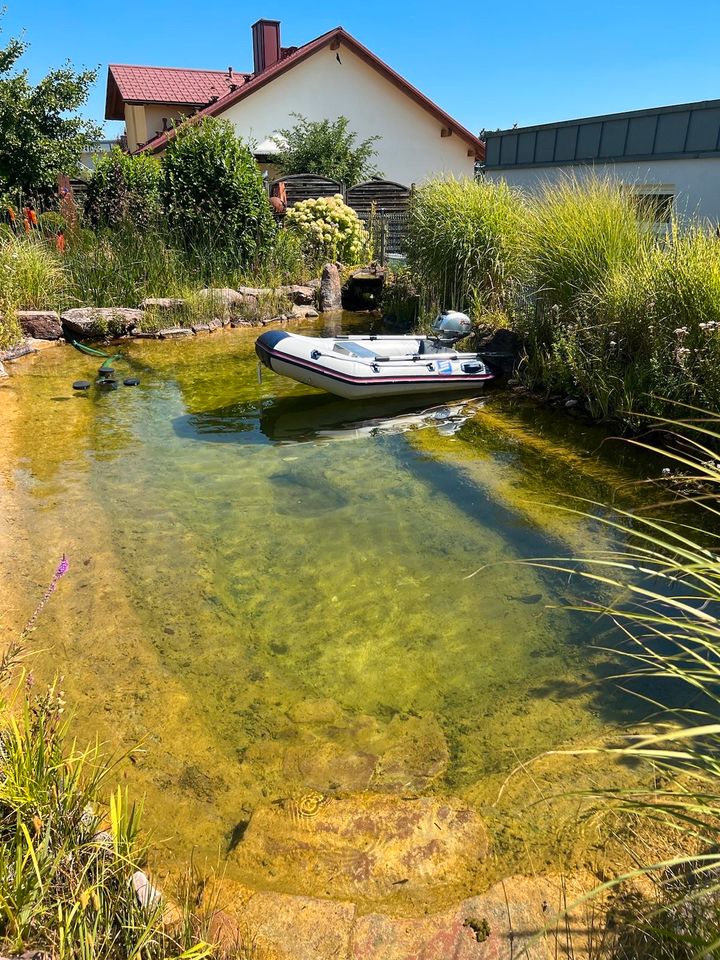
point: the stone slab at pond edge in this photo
(515, 918)
(101, 321)
(40, 324)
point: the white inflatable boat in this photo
(377, 366)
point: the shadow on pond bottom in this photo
(268, 594)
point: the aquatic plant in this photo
(60, 571)
(665, 583)
(466, 243)
(68, 860)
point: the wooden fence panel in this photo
(306, 186)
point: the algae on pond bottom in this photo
(225, 577)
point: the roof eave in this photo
(337, 34)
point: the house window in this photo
(655, 206)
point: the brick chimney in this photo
(266, 44)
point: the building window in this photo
(654, 206)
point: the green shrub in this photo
(466, 240)
(214, 196)
(34, 277)
(123, 188)
(327, 148)
(330, 229)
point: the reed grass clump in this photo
(32, 273)
(661, 581)
(466, 242)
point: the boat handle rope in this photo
(316, 355)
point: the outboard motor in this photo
(451, 326)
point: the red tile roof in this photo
(294, 55)
(136, 84)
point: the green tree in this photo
(327, 148)
(213, 190)
(38, 140)
(124, 189)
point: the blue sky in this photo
(489, 65)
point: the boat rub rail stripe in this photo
(334, 375)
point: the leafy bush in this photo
(34, 278)
(214, 196)
(330, 229)
(326, 148)
(466, 240)
(124, 188)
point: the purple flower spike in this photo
(61, 570)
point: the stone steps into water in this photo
(515, 918)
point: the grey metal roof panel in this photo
(688, 129)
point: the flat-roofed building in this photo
(669, 155)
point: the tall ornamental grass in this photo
(580, 230)
(466, 242)
(663, 581)
(32, 274)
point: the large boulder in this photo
(501, 346)
(298, 293)
(226, 302)
(365, 846)
(101, 321)
(3, 372)
(330, 297)
(163, 304)
(254, 291)
(40, 324)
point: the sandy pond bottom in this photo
(267, 594)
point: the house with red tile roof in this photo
(331, 75)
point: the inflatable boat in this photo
(378, 366)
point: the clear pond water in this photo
(268, 586)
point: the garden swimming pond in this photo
(268, 592)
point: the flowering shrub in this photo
(330, 229)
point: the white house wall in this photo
(695, 182)
(319, 88)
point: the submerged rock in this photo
(175, 333)
(364, 846)
(517, 917)
(416, 755)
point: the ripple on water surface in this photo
(268, 586)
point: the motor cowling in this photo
(451, 325)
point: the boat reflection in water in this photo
(322, 417)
